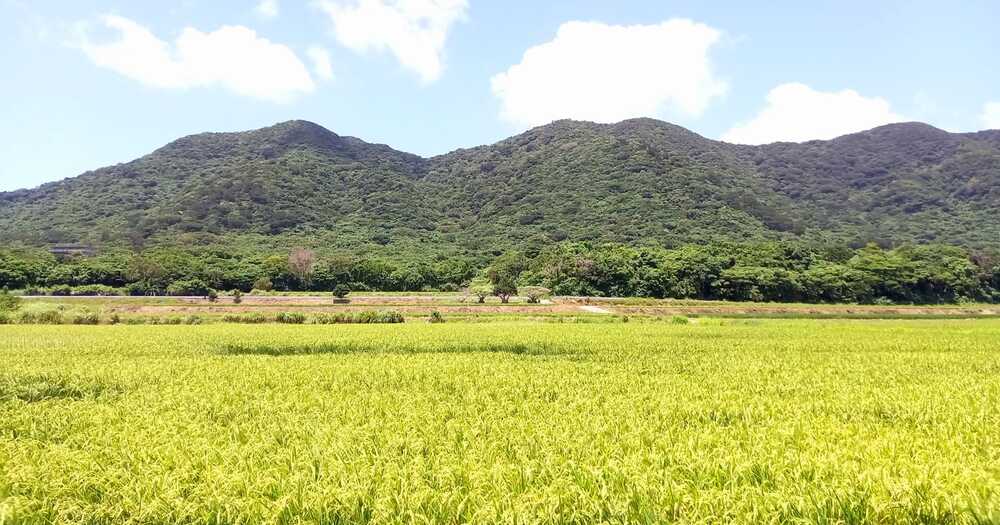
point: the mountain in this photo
(637, 181)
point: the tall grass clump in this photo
(366, 317)
(248, 318)
(290, 318)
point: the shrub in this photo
(679, 319)
(4, 318)
(341, 291)
(95, 290)
(115, 319)
(90, 318)
(237, 297)
(212, 295)
(263, 284)
(290, 318)
(41, 316)
(8, 302)
(192, 319)
(61, 291)
(435, 317)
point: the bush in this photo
(435, 317)
(192, 319)
(95, 290)
(4, 318)
(115, 319)
(290, 318)
(237, 297)
(41, 316)
(212, 295)
(90, 318)
(341, 291)
(263, 284)
(61, 291)
(8, 302)
(679, 319)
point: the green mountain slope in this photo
(638, 181)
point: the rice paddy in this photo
(714, 421)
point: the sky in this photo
(91, 83)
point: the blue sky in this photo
(90, 83)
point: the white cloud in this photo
(991, 115)
(606, 73)
(267, 8)
(797, 113)
(414, 31)
(321, 62)
(232, 57)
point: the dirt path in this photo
(595, 309)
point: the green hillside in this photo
(636, 182)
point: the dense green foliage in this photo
(887, 422)
(768, 272)
(762, 271)
(636, 182)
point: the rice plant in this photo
(715, 421)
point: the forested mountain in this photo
(637, 182)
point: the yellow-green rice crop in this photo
(710, 422)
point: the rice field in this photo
(715, 421)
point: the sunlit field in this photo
(712, 421)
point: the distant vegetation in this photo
(760, 271)
(639, 208)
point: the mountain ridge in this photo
(639, 180)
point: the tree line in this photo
(758, 271)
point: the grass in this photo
(716, 421)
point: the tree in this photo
(301, 264)
(341, 291)
(504, 272)
(481, 287)
(535, 293)
(146, 270)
